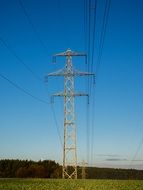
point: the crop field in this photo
(54, 184)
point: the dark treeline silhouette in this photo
(29, 169)
(111, 173)
(51, 169)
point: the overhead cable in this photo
(103, 33)
(22, 89)
(32, 25)
(56, 124)
(101, 44)
(19, 59)
(136, 152)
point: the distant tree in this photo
(22, 172)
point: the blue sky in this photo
(27, 126)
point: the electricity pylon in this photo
(69, 145)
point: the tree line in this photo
(29, 169)
(112, 173)
(51, 169)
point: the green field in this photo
(54, 184)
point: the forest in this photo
(51, 169)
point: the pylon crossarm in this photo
(82, 73)
(57, 73)
(61, 94)
(68, 95)
(70, 53)
(80, 94)
(63, 72)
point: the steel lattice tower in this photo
(69, 146)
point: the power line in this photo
(32, 25)
(56, 124)
(87, 43)
(85, 24)
(22, 89)
(93, 41)
(19, 59)
(89, 32)
(92, 62)
(35, 98)
(102, 38)
(88, 22)
(91, 44)
(136, 153)
(92, 124)
(103, 33)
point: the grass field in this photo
(54, 184)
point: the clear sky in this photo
(27, 127)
